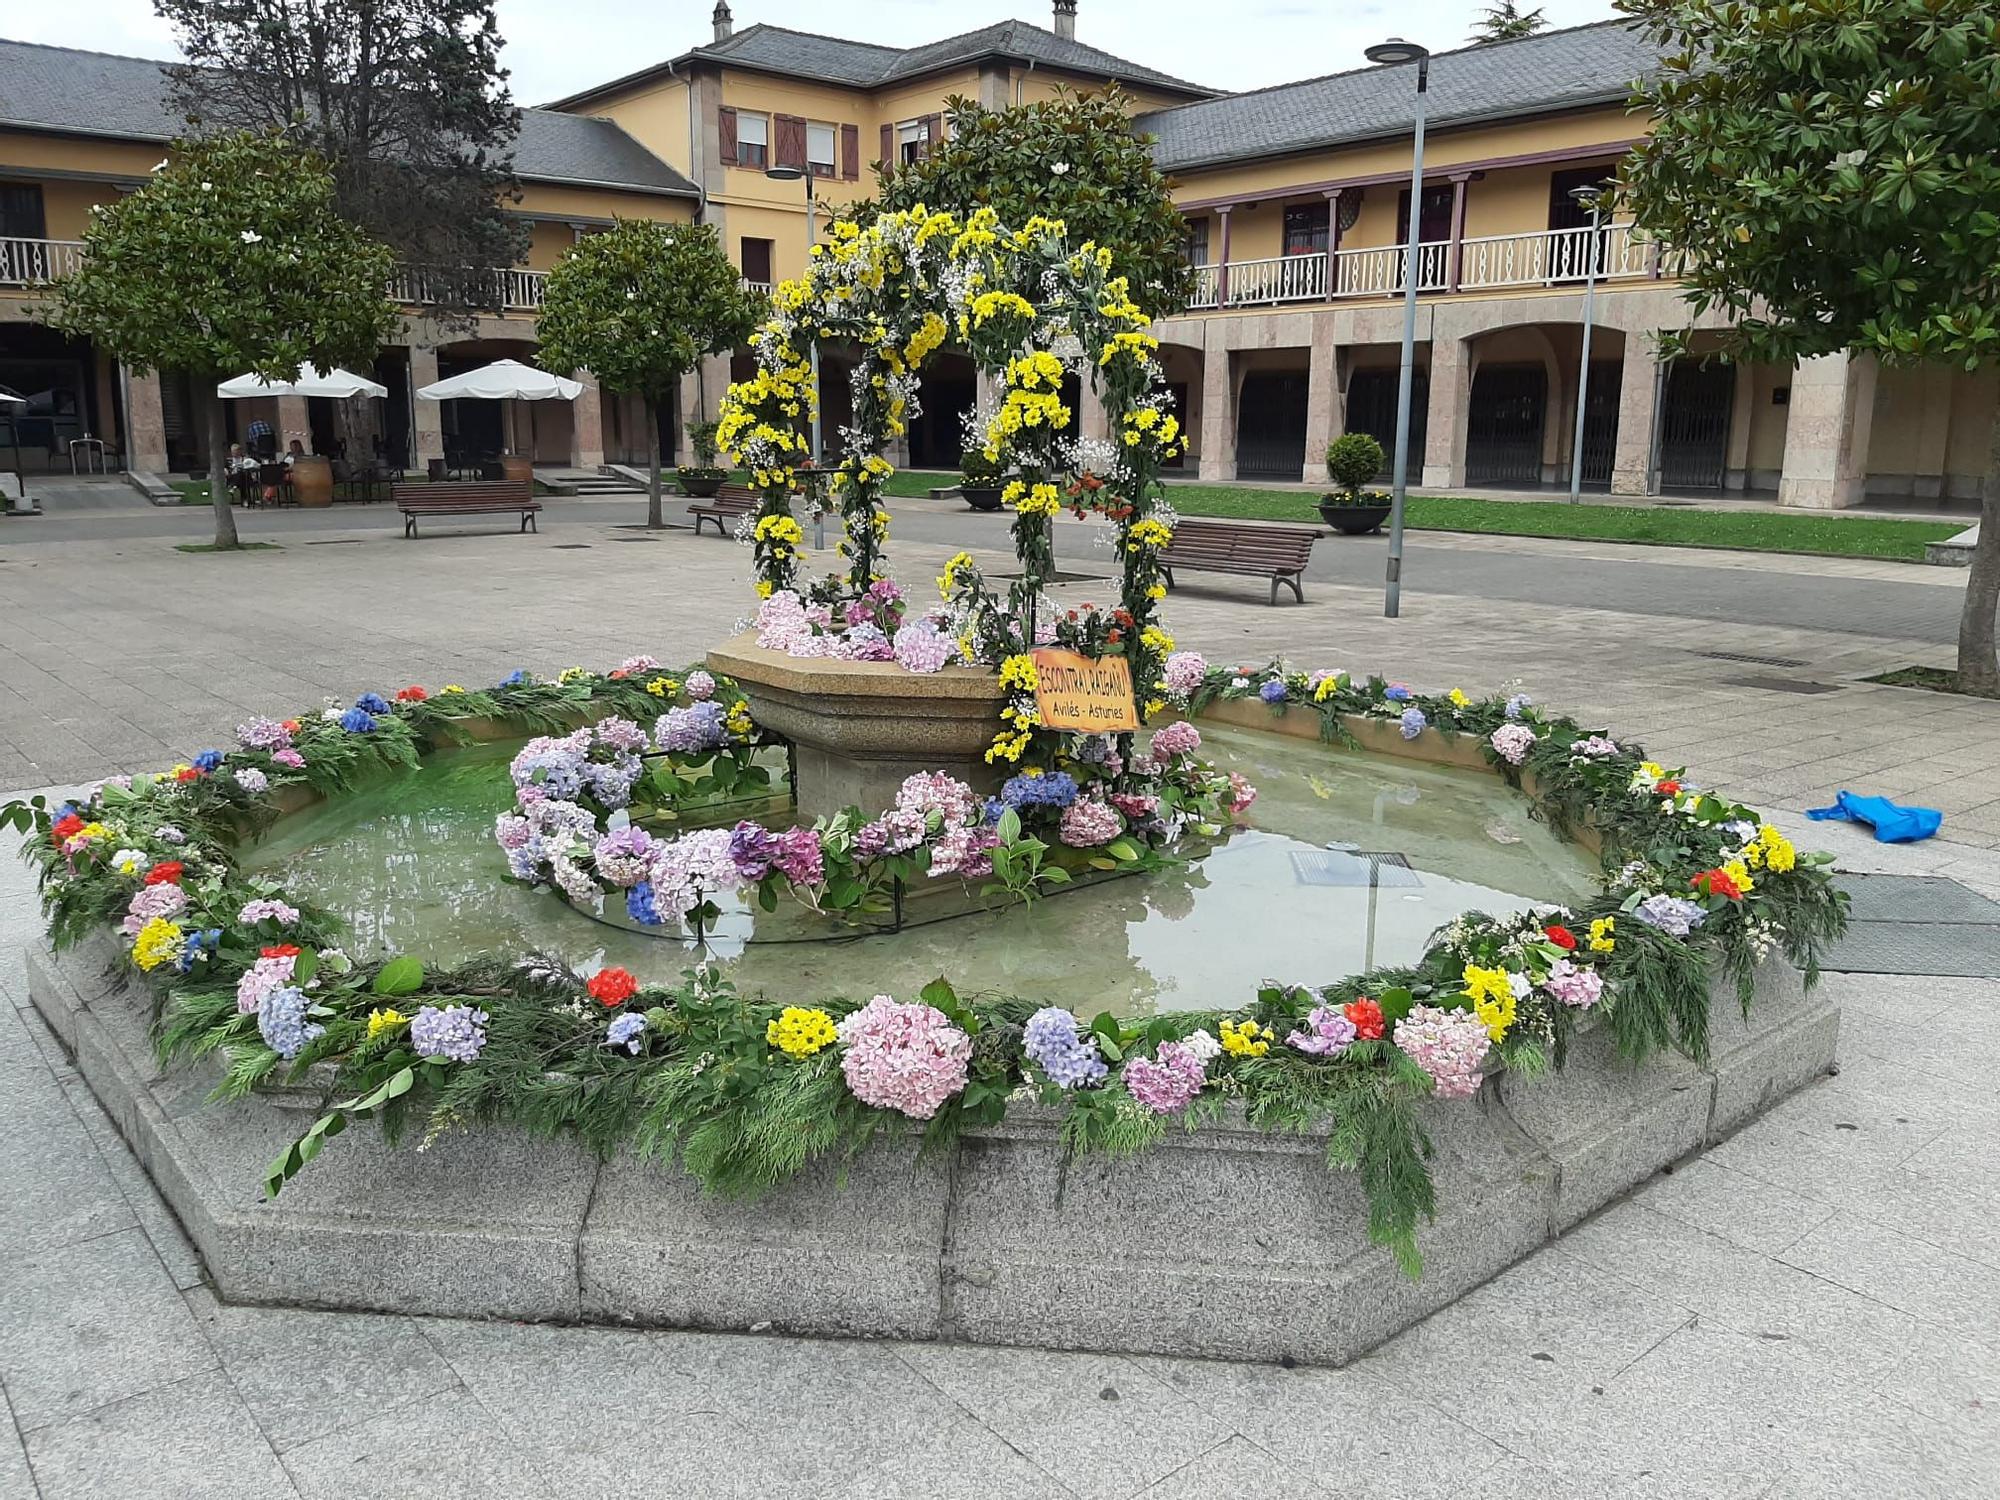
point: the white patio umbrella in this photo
(503, 380)
(310, 381)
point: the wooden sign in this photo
(1083, 695)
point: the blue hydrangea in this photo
(198, 945)
(282, 1021)
(1396, 693)
(625, 1031)
(994, 808)
(1671, 914)
(357, 721)
(517, 678)
(1272, 691)
(1413, 722)
(1052, 789)
(639, 905)
(373, 703)
(1050, 1041)
(1516, 703)
(696, 727)
(63, 810)
(208, 760)
(456, 1031)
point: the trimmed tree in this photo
(640, 306)
(1506, 21)
(1830, 175)
(1074, 158)
(230, 260)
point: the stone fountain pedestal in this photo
(859, 728)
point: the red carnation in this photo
(279, 950)
(291, 726)
(189, 773)
(412, 694)
(68, 827)
(1666, 788)
(1717, 883)
(612, 986)
(1560, 935)
(1367, 1018)
(166, 872)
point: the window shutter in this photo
(934, 131)
(850, 151)
(790, 145)
(888, 147)
(726, 130)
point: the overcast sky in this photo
(558, 46)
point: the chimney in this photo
(1066, 19)
(725, 23)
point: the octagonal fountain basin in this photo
(1348, 860)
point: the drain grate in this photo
(1782, 685)
(1750, 659)
(1917, 924)
(1917, 898)
(634, 539)
(571, 547)
(336, 541)
(1351, 868)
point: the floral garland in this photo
(746, 1093)
(1029, 309)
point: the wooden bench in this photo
(487, 498)
(1279, 553)
(730, 503)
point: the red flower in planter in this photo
(1367, 1018)
(1560, 935)
(189, 773)
(166, 872)
(1717, 883)
(1667, 788)
(612, 986)
(412, 694)
(280, 950)
(64, 828)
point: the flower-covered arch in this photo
(1030, 309)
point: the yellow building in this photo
(1298, 205)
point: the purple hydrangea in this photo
(1671, 914)
(1516, 704)
(1168, 1084)
(865, 641)
(263, 734)
(1051, 1042)
(622, 856)
(252, 780)
(1449, 1045)
(922, 647)
(556, 764)
(281, 1021)
(965, 852)
(1273, 691)
(1413, 722)
(357, 721)
(695, 728)
(1327, 1032)
(1051, 789)
(455, 1031)
(620, 734)
(929, 792)
(1594, 746)
(754, 848)
(625, 1029)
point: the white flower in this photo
(1852, 158)
(1203, 1046)
(251, 237)
(160, 165)
(1060, 168)
(208, 187)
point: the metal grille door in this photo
(1694, 425)
(1600, 421)
(1371, 408)
(1504, 427)
(1271, 426)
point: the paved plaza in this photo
(1810, 1310)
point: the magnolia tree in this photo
(230, 260)
(1831, 174)
(639, 306)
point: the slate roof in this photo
(124, 98)
(806, 54)
(1553, 70)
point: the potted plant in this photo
(701, 478)
(1352, 461)
(980, 480)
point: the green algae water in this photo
(1347, 861)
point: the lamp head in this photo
(1396, 50)
(784, 174)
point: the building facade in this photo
(1299, 213)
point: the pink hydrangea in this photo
(922, 647)
(1184, 672)
(1241, 793)
(260, 981)
(1513, 742)
(1166, 1086)
(966, 852)
(908, 1058)
(165, 900)
(700, 686)
(782, 623)
(1594, 746)
(1135, 805)
(1574, 984)
(934, 792)
(1087, 823)
(289, 757)
(1170, 740)
(281, 912)
(632, 666)
(1449, 1045)
(799, 856)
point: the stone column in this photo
(1093, 421)
(1218, 414)
(145, 424)
(1638, 417)
(1451, 400)
(294, 420)
(426, 417)
(1323, 413)
(586, 425)
(1827, 428)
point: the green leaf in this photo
(305, 966)
(1010, 826)
(1056, 875)
(1122, 849)
(939, 995)
(403, 975)
(1395, 1003)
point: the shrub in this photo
(1352, 461)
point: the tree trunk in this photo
(655, 518)
(1978, 669)
(219, 493)
(355, 423)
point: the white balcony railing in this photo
(1552, 257)
(29, 262)
(761, 288)
(507, 289)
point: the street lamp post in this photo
(1592, 198)
(793, 174)
(1394, 51)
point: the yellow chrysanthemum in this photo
(386, 1019)
(158, 942)
(1603, 934)
(1245, 1038)
(800, 1033)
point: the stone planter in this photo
(1353, 520)
(859, 728)
(701, 484)
(1226, 1243)
(981, 496)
